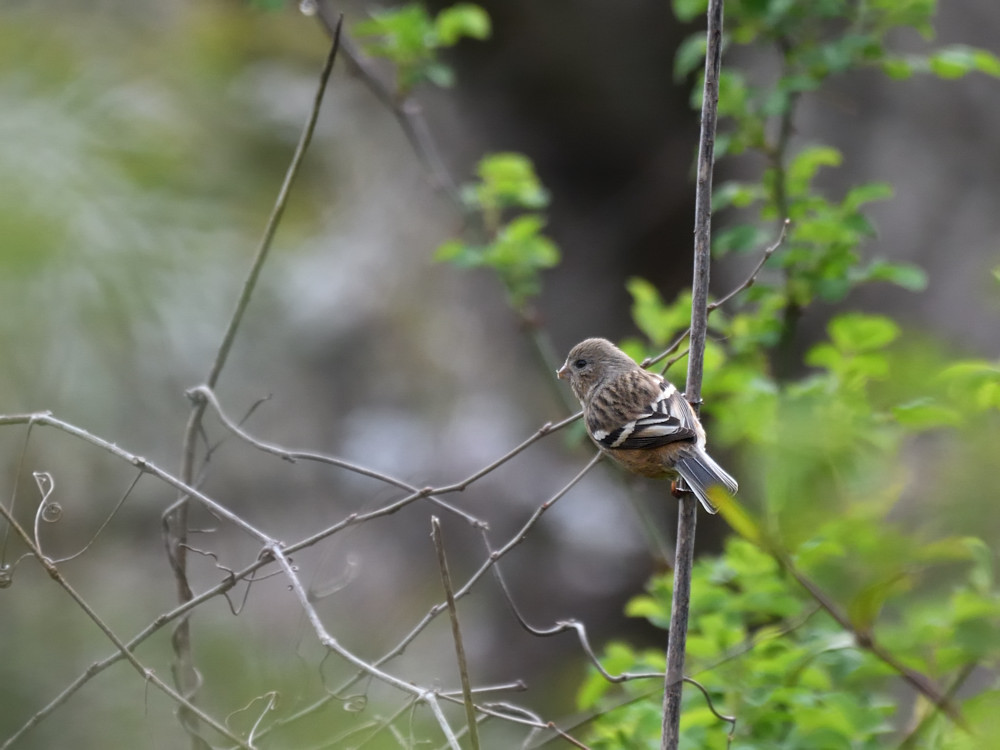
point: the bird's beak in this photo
(563, 372)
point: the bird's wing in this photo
(663, 416)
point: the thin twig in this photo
(46, 419)
(144, 672)
(407, 111)
(866, 640)
(112, 514)
(910, 741)
(687, 513)
(456, 633)
(331, 643)
(493, 556)
(731, 720)
(561, 627)
(175, 525)
(748, 282)
(205, 394)
(752, 277)
(13, 498)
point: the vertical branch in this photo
(175, 521)
(687, 515)
(456, 632)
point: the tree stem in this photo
(687, 514)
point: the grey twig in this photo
(328, 641)
(913, 737)
(456, 633)
(123, 649)
(563, 626)
(866, 640)
(407, 111)
(752, 276)
(731, 720)
(748, 282)
(175, 525)
(687, 513)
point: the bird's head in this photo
(591, 362)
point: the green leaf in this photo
(947, 550)
(958, 60)
(462, 20)
(974, 382)
(523, 227)
(738, 239)
(688, 10)
(403, 34)
(981, 575)
(509, 179)
(690, 56)
(804, 166)
(986, 62)
(925, 413)
(439, 74)
(905, 275)
(519, 247)
(459, 254)
(734, 95)
(858, 332)
(824, 355)
(970, 370)
(898, 68)
(647, 607)
(734, 193)
(657, 320)
(863, 610)
(870, 191)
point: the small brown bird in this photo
(640, 419)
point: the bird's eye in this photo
(580, 364)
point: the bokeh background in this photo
(141, 146)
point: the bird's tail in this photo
(700, 472)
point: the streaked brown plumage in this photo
(640, 419)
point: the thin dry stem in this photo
(456, 633)
(144, 672)
(687, 514)
(175, 525)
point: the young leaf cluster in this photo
(506, 198)
(410, 38)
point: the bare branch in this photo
(687, 514)
(331, 643)
(731, 720)
(866, 640)
(144, 672)
(175, 525)
(752, 277)
(456, 633)
(407, 111)
(748, 282)
(563, 626)
(112, 514)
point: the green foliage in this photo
(410, 38)
(764, 653)
(824, 563)
(514, 248)
(824, 473)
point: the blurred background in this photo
(141, 147)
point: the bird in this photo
(640, 419)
